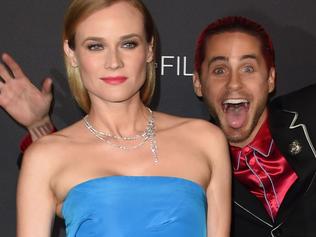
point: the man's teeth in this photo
(235, 101)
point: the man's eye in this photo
(248, 69)
(130, 44)
(219, 71)
(95, 47)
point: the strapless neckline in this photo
(143, 206)
(194, 184)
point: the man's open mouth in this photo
(236, 111)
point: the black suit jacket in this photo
(292, 120)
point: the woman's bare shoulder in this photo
(194, 125)
(199, 133)
(52, 148)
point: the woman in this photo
(123, 170)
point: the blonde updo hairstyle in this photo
(78, 11)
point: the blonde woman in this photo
(123, 170)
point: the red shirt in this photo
(262, 168)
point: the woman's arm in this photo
(219, 189)
(35, 199)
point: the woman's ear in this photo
(150, 51)
(70, 54)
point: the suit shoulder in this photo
(296, 100)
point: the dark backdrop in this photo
(31, 30)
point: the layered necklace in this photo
(129, 142)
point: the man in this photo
(272, 145)
(273, 155)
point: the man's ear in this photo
(197, 84)
(70, 54)
(271, 79)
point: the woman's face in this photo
(111, 53)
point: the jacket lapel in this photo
(287, 130)
(248, 203)
(291, 137)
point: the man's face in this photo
(235, 83)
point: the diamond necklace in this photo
(148, 135)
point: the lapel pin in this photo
(295, 147)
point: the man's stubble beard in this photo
(243, 133)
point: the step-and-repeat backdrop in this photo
(31, 31)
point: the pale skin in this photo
(25, 103)
(111, 42)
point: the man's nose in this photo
(234, 81)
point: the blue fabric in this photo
(135, 206)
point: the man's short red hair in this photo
(234, 24)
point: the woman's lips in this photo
(114, 80)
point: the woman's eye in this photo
(130, 44)
(95, 47)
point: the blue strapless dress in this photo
(135, 206)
